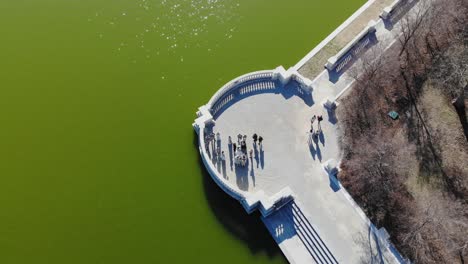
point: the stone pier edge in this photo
(259, 200)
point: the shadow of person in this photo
(262, 158)
(281, 224)
(322, 138)
(212, 144)
(256, 154)
(218, 165)
(223, 166)
(230, 156)
(208, 151)
(312, 150)
(252, 173)
(318, 152)
(310, 138)
(242, 177)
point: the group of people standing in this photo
(312, 131)
(240, 148)
(215, 140)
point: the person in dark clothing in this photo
(243, 147)
(320, 118)
(234, 147)
(255, 137)
(312, 120)
(260, 140)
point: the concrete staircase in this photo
(309, 237)
(297, 226)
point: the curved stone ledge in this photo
(250, 201)
(205, 116)
(239, 81)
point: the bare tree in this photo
(411, 23)
(452, 74)
(376, 149)
(437, 231)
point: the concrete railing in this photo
(254, 82)
(243, 85)
(225, 185)
(332, 169)
(250, 201)
(394, 10)
(237, 82)
(352, 50)
(242, 89)
(285, 76)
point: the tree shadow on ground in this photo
(428, 153)
(427, 150)
(334, 75)
(229, 212)
(372, 249)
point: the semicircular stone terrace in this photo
(291, 178)
(268, 103)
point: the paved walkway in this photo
(322, 225)
(315, 64)
(289, 157)
(342, 227)
(282, 118)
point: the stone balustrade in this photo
(393, 10)
(238, 82)
(225, 185)
(352, 49)
(248, 83)
(285, 76)
(250, 201)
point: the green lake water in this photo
(98, 159)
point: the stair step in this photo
(308, 243)
(300, 217)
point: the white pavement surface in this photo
(285, 156)
(289, 158)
